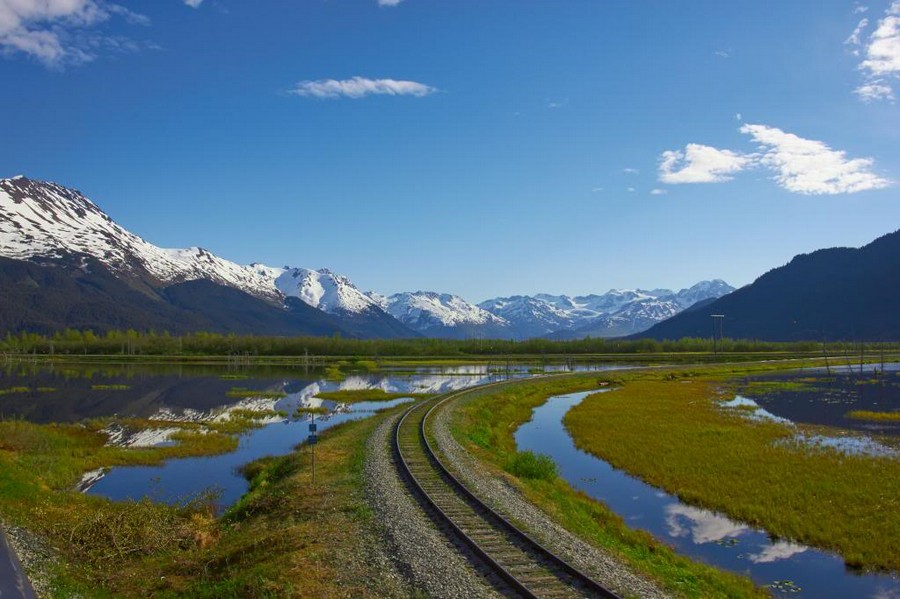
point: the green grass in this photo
(873, 416)
(357, 395)
(11, 390)
(284, 538)
(674, 436)
(318, 411)
(244, 393)
(110, 387)
(39, 464)
(484, 422)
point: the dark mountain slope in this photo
(80, 292)
(837, 293)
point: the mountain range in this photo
(65, 263)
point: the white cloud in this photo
(800, 165)
(701, 164)
(389, 2)
(52, 31)
(658, 192)
(629, 189)
(811, 167)
(881, 52)
(631, 171)
(723, 53)
(360, 87)
(859, 8)
(876, 89)
(738, 116)
(193, 3)
(596, 190)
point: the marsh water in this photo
(825, 397)
(786, 568)
(166, 393)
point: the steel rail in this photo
(565, 573)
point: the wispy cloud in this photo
(698, 163)
(811, 167)
(658, 192)
(881, 55)
(58, 32)
(631, 171)
(193, 3)
(855, 39)
(360, 87)
(723, 53)
(875, 89)
(389, 2)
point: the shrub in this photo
(527, 464)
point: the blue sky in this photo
(487, 148)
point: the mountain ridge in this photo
(51, 225)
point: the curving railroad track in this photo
(526, 567)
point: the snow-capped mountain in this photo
(50, 226)
(46, 220)
(531, 316)
(324, 290)
(615, 313)
(702, 291)
(442, 315)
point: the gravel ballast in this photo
(431, 563)
(507, 500)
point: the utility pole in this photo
(861, 355)
(718, 329)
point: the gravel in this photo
(508, 501)
(37, 559)
(430, 562)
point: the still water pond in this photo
(787, 568)
(180, 393)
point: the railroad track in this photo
(528, 568)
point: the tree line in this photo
(131, 342)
